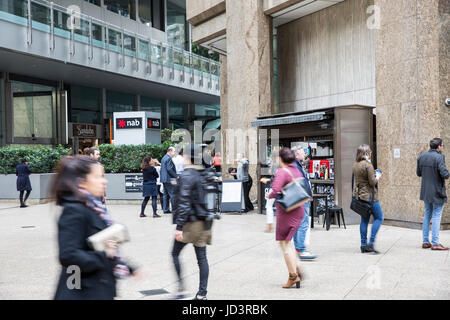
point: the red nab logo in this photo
(129, 123)
(153, 123)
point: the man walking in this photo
(242, 174)
(94, 153)
(168, 179)
(300, 235)
(431, 167)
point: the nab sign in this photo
(128, 123)
(153, 123)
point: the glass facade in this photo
(151, 105)
(145, 11)
(177, 115)
(34, 110)
(85, 105)
(2, 110)
(119, 102)
(177, 26)
(126, 8)
(96, 2)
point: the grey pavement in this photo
(245, 262)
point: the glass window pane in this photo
(96, 2)
(145, 11)
(43, 116)
(40, 13)
(143, 49)
(129, 44)
(126, 8)
(177, 34)
(15, 7)
(115, 40)
(151, 105)
(119, 102)
(85, 105)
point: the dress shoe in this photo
(24, 206)
(167, 212)
(426, 245)
(370, 248)
(142, 215)
(293, 279)
(439, 247)
(156, 216)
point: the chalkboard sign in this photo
(265, 187)
(133, 183)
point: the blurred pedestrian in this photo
(217, 162)
(243, 175)
(287, 222)
(189, 216)
(300, 236)
(168, 179)
(178, 161)
(23, 182)
(270, 202)
(431, 167)
(366, 189)
(149, 187)
(86, 274)
(94, 153)
(159, 185)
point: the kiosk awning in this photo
(292, 119)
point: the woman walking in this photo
(23, 181)
(159, 185)
(77, 186)
(366, 189)
(287, 222)
(149, 188)
(189, 216)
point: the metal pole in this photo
(123, 50)
(106, 45)
(161, 60)
(91, 49)
(149, 56)
(173, 62)
(52, 27)
(29, 25)
(136, 43)
(72, 33)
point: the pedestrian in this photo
(189, 216)
(86, 274)
(149, 187)
(217, 162)
(178, 161)
(366, 189)
(94, 153)
(243, 175)
(300, 236)
(23, 182)
(159, 185)
(431, 167)
(287, 222)
(270, 202)
(168, 179)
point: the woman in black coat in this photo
(149, 187)
(86, 273)
(23, 181)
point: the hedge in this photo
(40, 159)
(116, 159)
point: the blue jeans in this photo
(433, 213)
(300, 235)
(168, 193)
(377, 213)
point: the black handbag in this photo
(361, 207)
(294, 194)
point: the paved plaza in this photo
(245, 263)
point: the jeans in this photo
(154, 204)
(300, 235)
(433, 214)
(377, 213)
(202, 262)
(168, 193)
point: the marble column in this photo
(412, 65)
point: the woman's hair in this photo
(146, 162)
(287, 156)
(363, 152)
(69, 171)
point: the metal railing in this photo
(62, 22)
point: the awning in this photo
(277, 121)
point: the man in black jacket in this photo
(168, 179)
(189, 215)
(431, 167)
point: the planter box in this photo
(39, 184)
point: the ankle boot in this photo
(300, 274)
(293, 279)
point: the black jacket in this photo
(431, 167)
(189, 197)
(76, 223)
(150, 174)
(168, 170)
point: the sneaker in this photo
(306, 255)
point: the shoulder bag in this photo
(294, 194)
(361, 207)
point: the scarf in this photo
(121, 270)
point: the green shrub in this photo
(41, 159)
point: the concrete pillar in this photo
(249, 75)
(412, 66)
(165, 114)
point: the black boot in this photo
(370, 248)
(364, 249)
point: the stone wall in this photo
(327, 59)
(411, 80)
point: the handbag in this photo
(294, 194)
(361, 207)
(116, 232)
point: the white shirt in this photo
(179, 163)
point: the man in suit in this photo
(168, 178)
(300, 235)
(431, 167)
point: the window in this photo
(151, 105)
(96, 2)
(126, 8)
(85, 105)
(119, 102)
(145, 11)
(177, 27)
(158, 15)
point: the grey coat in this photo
(242, 170)
(431, 167)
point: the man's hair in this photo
(435, 143)
(297, 150)
(92, 150)
(171, 149)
